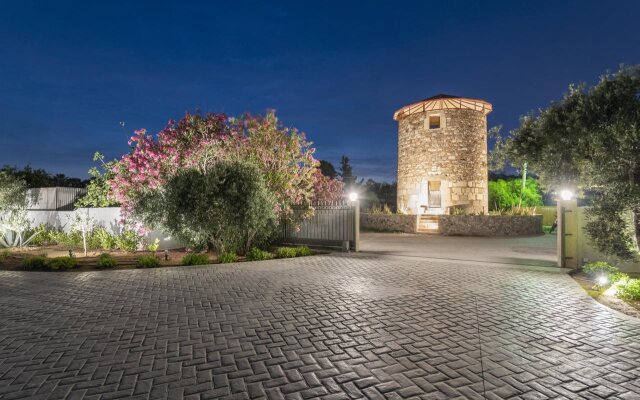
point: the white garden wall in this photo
(108, 218)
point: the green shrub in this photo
(600, 268)
(106, 260)
(41, 238)
(4, 254)
(72, 239)
(35, 262)
(286, 252)
(504, 194)
(195, 259)
(255, 254)
(148, 262)
(514, 211)
(47, 236)
(303, 251)
(380, 209)
(101, 239)
(128, 240)
(227, 257)
(153, 247)
(629, 289)
(62, 263)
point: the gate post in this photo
(567, 240)
(356, 225)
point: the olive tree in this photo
(590, 140)
(228, 207)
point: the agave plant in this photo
(13, 227)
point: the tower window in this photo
(434, 122)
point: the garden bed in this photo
(13, 259)
(604, 296)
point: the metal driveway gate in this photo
(334, 224)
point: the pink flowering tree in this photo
(197, 142)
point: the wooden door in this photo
(435, 199)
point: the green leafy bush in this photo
(303, 251)
(148, 262)
(99, 187)
(35, 262)
(62, 263)
(286, 252)
(514, 211)
(505, 194)
(40, 235)
(153, 247)
(101, 239)
(600, 268)
(380, 209)
(629, 289)
(106, 260)
(195, 259)
(128, 240)
(46, 235)
(228, 257)
(71, 239)
(4, 254)
(255, 254)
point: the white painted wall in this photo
(108, 218)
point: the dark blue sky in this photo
(70, 71)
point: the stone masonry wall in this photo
(389, 222)
(490, 225)
(455, 154)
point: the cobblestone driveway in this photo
(332, 326)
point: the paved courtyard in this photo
(529, 250)
(334, 326)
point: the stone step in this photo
(428, 224)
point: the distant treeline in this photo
(36, 178)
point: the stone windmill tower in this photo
(442, 155)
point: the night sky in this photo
(71, 71)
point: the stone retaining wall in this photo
(490, 225)
(407, 223)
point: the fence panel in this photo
(54, 198)
(331, 225)
(548, 213)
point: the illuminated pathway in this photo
(332, 326)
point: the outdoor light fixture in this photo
(602, 280)
(353, 196)
(566, 194)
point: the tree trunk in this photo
(636, 225)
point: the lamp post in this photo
(353, 198)
(567, 240)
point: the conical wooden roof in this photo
(444, 102)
